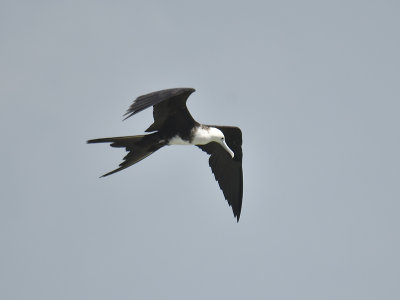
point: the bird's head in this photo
(218, 136)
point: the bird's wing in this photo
(167, 103)
(228, 171)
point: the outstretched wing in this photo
(167, 103)
(228, 171)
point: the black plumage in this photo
(228, 171)
(172, 119)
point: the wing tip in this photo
(191, 90)
(142, 102)
(236, 214)
(128, 115)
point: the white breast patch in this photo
(176, 140)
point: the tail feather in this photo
(138, 146)
(119, 141)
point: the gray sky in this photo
(314, 86)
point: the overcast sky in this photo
(314, 86)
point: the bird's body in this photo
(173, 125)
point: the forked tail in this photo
(138, 146)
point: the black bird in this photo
(173, 125)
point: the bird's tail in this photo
(138, 146)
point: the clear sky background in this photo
(314, 86)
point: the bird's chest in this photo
(177, 140)
(196, 136)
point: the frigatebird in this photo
(174, 125)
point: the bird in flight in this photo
(174, 125)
